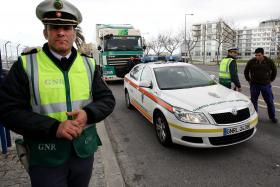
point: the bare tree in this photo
(170, 42)
(223, 35)
(191, 41)
(148, 46)
(80, 39)
(274, 35)
(148, 49)
(156, 45)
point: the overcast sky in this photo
(19, 23)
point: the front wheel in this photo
(162, 130)
(127, 100)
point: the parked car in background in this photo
(188, 107)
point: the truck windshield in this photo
(123, 43)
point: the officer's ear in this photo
(45, 32)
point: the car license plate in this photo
(237, 129)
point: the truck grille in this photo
(228, 117)
(118, 60)
(225, 140)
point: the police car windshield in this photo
(180, 77)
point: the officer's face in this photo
(234, 54)
(60, 38)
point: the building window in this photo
(247, 54)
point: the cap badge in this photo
(58, 14)
(58, 4)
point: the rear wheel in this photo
(162, 130)
(127, 100)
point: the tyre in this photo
(127, 100)
(162, 130)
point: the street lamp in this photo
(185, 42)
(6, 53)
(17, 49)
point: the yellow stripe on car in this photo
(252, 124)
(195, 130)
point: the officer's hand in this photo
(79, 116)
(69, 129)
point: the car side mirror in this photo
(99, 48)
(146, 84)
(144, 47)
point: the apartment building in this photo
(207, 35)
(266, 35)
(211, 38)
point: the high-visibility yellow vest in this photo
(53, 93)
(224, 71)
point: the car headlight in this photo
(189, 116)
(251, 108)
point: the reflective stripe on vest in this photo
(53, 91)
(224, 72)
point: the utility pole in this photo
(185, 40)
(6, 53)
(204, 38)
(1, 68)
(17, 49)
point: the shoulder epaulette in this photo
(30, 51)
(89, 56)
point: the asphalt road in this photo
(144, 162)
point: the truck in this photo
(116, 44)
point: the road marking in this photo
(263, 106)
(275, 103)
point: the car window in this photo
(135, 72)
(179, 77)
(146, 74)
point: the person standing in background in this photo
(228, 70)
(260, 72)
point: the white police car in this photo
(187, 107)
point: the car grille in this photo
(230, 139)
(228, 117)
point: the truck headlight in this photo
(251, 108)
(189, 116)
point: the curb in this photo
(113, 175)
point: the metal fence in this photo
(10, 52)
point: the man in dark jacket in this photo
(260, 72)
(228, 70)
(132, 62)
(53, 97)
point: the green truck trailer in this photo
(115, 45)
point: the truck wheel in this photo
(162, 130)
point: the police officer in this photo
(228, 70)
(53, 96)
(260, 72)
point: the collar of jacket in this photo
(63, 66)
